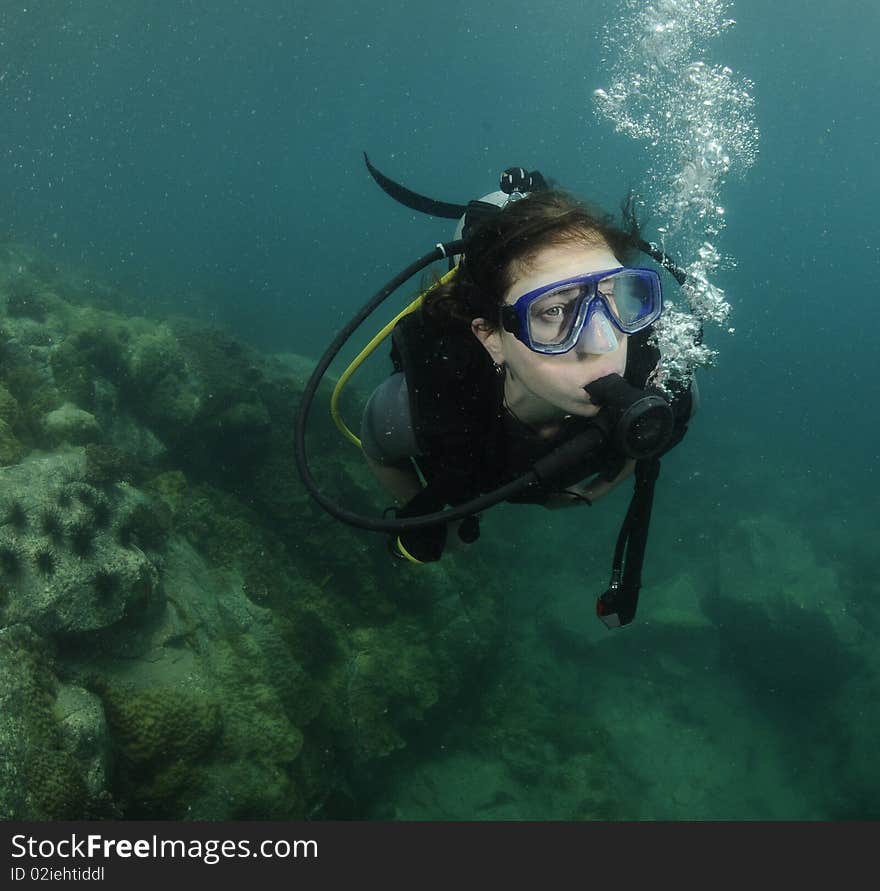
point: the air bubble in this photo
(700, 120)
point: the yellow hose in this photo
(367, 351)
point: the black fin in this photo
(414, 201)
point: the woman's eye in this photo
(553, 312)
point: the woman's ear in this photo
(490, 337)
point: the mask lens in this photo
(630, 295)
(552, 315)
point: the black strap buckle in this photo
(617, 606)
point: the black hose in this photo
(572, 449)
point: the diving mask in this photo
(550, 319)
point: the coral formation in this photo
(59, 526)
(52, 769)
(71, 424)
(162, 737)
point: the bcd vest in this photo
(468, 444)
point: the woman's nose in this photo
(598, 335)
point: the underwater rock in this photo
(52, 737)
(239, 654)
(71, 424)
(84, 728)
(11, 449)
(244, 418)
(8, 406)
(783, 620)
(391, 682)
(16, 695)
(30, 299)
(151, 357)
(769, 564)
(163, 735)
(160, 388)
(172, 488)
(66, 564)
(138, 442)
(173, 406)
(106, 464)
(201, 702)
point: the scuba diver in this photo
(521, 375)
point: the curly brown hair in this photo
(504, 244)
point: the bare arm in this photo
(401, 482)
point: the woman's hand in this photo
(589, 490)
(599, 487)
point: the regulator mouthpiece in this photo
(642, 420)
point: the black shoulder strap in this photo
(641, 358)
(617, 606)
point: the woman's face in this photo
(544, 385)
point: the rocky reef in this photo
(183, 634)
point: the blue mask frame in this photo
(516, 318)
